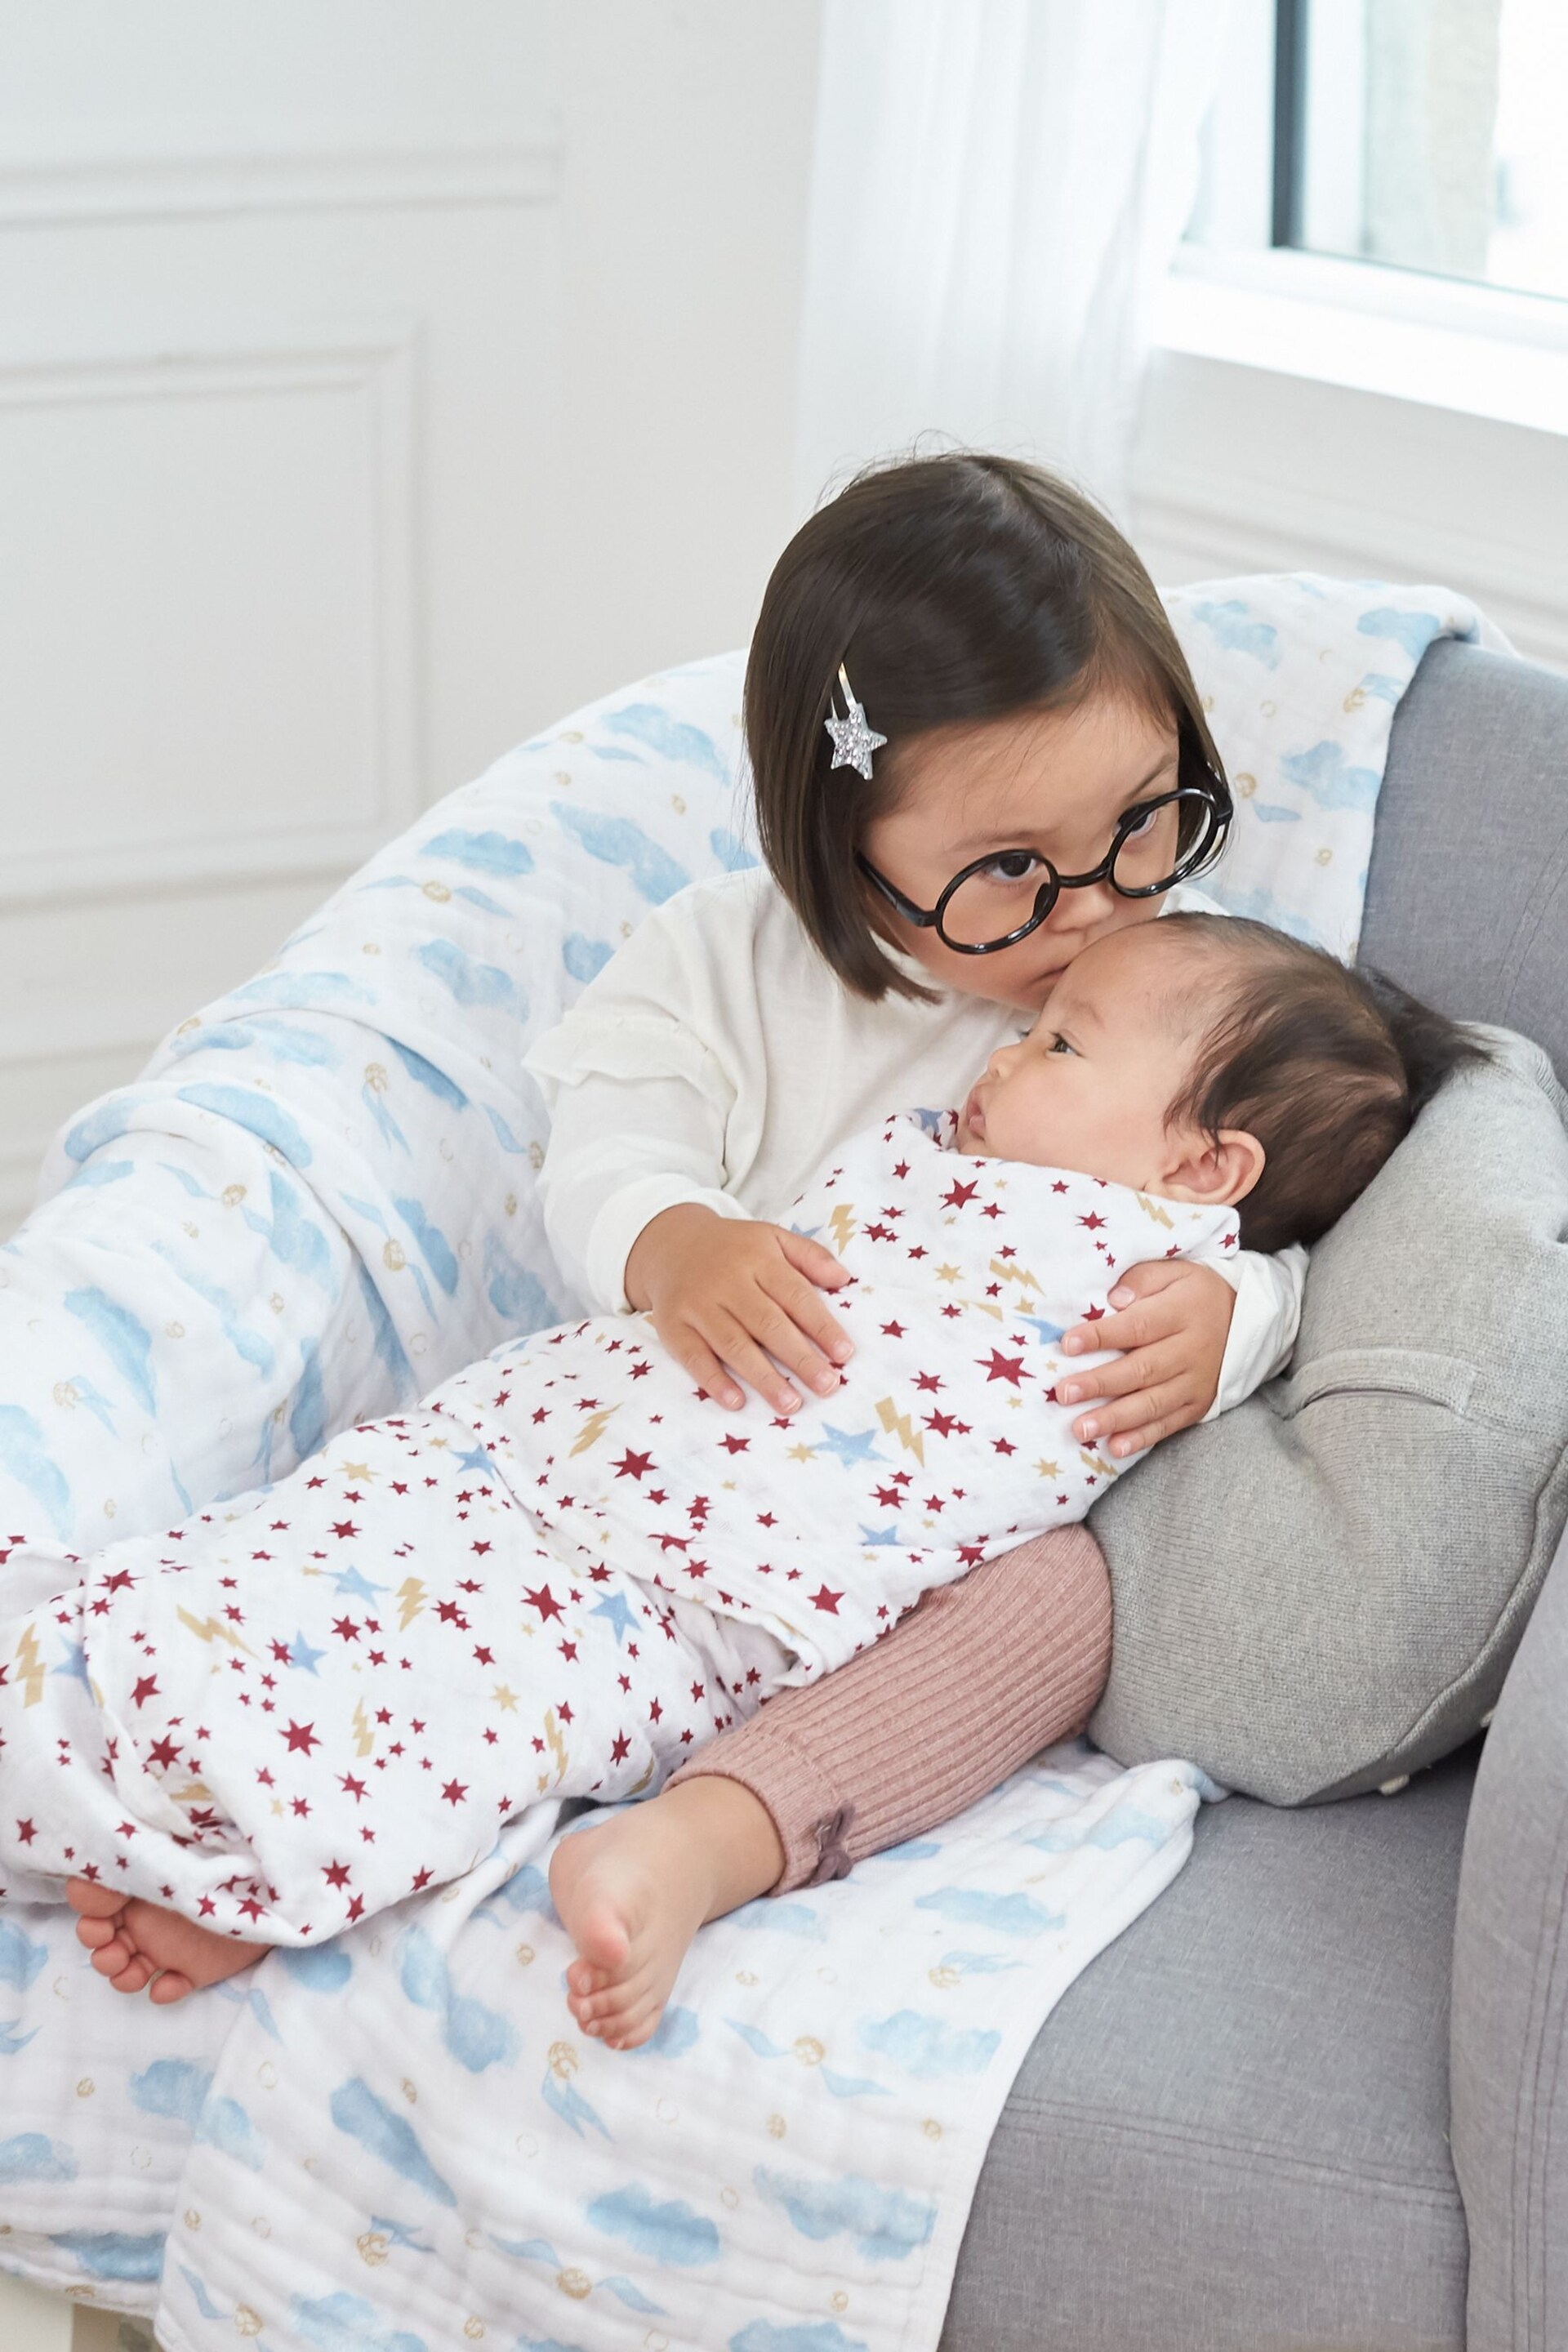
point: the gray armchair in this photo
(1315, 2098)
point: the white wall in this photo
(375, 383)
(1248, 469)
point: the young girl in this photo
(1019, 766)
(1034, 771)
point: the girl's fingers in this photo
(1133, 1417)
(748, 1362)
(811, 1314)
(692, 1349)
(1122, 1377)
(784, 1340)
(818, 1265)
(1138, 1326)
(1152, 1276)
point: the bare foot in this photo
(135, 1944)
(633, 1893)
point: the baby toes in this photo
(135, 1976)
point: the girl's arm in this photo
(971, 1684)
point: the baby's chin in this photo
(970, 1144)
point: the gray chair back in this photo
(1467, 900)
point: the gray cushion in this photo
(1323, 1590)
(1466, 896)
(1230, 2135)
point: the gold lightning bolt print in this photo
(410, 1601)
(1007, 1270)
(1152, 1209)
(32, 1667)
(1101, 1468)
(557, 1745)
(364, 1738)
(211, 1629)
(899, 1425)
(841, 1225)
(593, 1428)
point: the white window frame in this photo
(1479, 351)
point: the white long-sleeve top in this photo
(717, 1059)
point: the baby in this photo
(602, 1575)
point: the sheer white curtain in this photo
(998, 186)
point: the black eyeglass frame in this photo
(1214, 794)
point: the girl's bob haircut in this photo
(954, 588)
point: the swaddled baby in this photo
(564, 1571)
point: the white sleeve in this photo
(639, 1106)
(1263, 1327)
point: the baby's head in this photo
(1209, 1059)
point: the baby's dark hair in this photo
(956, 590)
(1325, 1066)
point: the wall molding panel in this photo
(62, 191)
(361, 382)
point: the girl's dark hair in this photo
(1325, 1066)
(954, 588)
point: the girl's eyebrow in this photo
(977, 841)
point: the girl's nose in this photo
(1077, 912)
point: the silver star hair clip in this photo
(854, 737)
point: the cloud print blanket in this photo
(316, 1206)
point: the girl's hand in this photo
(727, 1295)
(1175, 1322)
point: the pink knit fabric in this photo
(975, 1681)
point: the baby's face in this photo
(1089, 1087)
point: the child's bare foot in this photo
(633, 1893)
(135, 1944)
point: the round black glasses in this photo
(998, 899)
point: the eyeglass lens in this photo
(1001, 896)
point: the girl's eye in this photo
(1144, 825)
(1013, 865)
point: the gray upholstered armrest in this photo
(1511, 2002)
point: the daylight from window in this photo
(1427, 134)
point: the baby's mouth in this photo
(974, 1117)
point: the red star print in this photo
(633, 1465)
(336, 1874)
(342, 1527)
(145, 1689)
(545, 1600)
(826, 1600)
(960, 1196)
(301, 1737)
(455, 1791)
(1004, 1367)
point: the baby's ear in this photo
(1215, 1171)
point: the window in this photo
(1383, 204)
(1425, 134)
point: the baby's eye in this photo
(1059, 1045)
